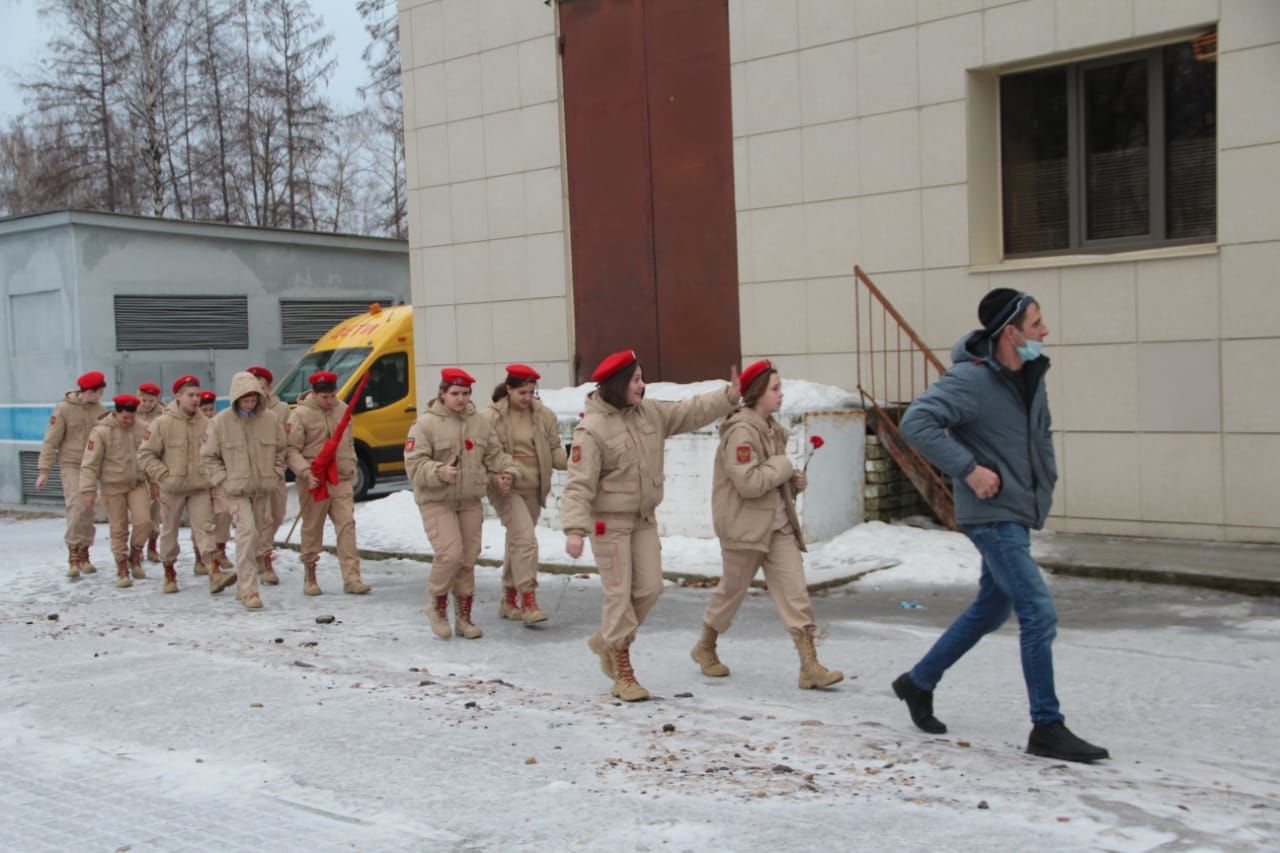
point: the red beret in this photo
(208, 397)
(613, 364)
(185, 380)
(149, 388)
(456, 376)
(323, 377)
(752, 373)
(261, 372)
(523, 371)
(125, 401)
(92, 380)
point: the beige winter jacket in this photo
(170, 451)
(546, 440)
(752, 473)
(111, 457)
(436, 438)
(309, 427)
(279, 407)
(244, 454)
(68, 430)
(616, 464)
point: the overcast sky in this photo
(23, 37)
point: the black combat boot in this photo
(1055, 740)
(919, 703)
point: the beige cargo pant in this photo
(199, 507)
(519, 516)
(251, 515)
(80, 529)
(221, 518)
(125, 504)
(277, 500)
(783, 573)
(453, 530)
(341, 508)
(629, 557)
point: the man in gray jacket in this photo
(986, 424)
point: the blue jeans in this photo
(1011, 581)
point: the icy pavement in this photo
(142, 721)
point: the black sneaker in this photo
(1055, 740)
(919, 703)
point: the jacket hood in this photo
(596, 404)
(73, 397)
(975, 346)
(245, 383)
(437, 407)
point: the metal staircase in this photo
(894, 365)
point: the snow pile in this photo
(393, 524)
(798, 395)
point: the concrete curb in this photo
(1224, 583)
(569, 569)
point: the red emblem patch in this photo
(744, 453)
(287, 427)
(146, 434)
(600, 528)
(408, 445)
(89, 446)
(53, 419)
(577, 453)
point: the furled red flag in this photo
(325, 465)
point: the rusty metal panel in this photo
(610, 194)
(691, 157)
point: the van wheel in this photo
(364, 478)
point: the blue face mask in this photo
(1030, 350)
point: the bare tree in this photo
(386, 171)
(298, 63)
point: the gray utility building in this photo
(148, 300)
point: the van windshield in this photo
(340, 361)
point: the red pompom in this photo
(816, 441)
(600, 528)
(469, 444)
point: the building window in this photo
(304, 321)
(181, 322)
(1111, 154)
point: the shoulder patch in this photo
(146, 433)
(53, 419)
(89, 446)
(744, 453)
(288, 426)
(576, 455)
(408, 445)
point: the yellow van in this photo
(379, 342)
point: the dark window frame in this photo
(1078, 241)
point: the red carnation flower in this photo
(600, 528)
(469, 444)
(816, 442)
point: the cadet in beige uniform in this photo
(527, 431)
(170, 453)
(243, 454)
(221, 512)
(111, 459)
(753, 506)
(65, 438)
(452, 457)
(311, 424)
(615, 486)
(280, 497)
(149, 409)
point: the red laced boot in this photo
(438, 614)
(508, 607)
(625, 686)
(532, 613)
(463, 626)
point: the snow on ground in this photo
(130, 719)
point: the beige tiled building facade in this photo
(872, 132)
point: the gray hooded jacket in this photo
(975, 415)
